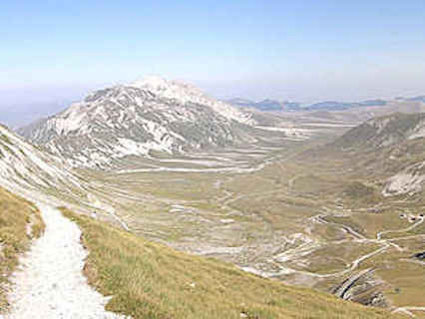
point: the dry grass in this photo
(149, 280)
(15, 215)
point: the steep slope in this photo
(388, 147)
(149, 115)
(384, 131)
(408, 181)
(149, 280)
(38, 176)
(25, 167)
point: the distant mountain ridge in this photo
(334, 105)
(420, 98)
(264, 105)
(153, 114)
(275, 105)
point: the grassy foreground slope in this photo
(150, 280)
(15, 216)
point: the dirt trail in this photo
(404, 230)
(50, 283)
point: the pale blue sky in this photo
(53, 51)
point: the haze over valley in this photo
(244, 189)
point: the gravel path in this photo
(50, 283)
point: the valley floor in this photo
(266, 211)
(316, 223)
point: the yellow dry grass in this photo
(150, 280)
(15, 216)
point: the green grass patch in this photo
(150, 280)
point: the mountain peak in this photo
(187, 93)
(153, 114)
(168, 88)
(158, 82)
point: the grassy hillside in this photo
(381, 131)
(149, 280)
(15, 216)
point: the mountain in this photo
(265, 105)
(291, 106)
(337, 106)
(269, 105)
(384, 131)
(390, 148)
(153, 114)
(273, 105)
(25, 167)
(408, 181)
(240, 102)
(420, 98)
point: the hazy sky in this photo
(52, 51)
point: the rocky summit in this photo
(153, 114)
